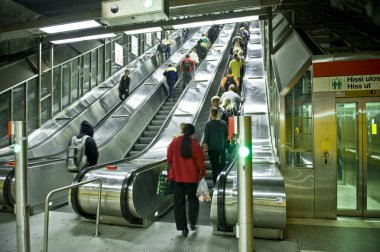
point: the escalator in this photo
(269, 199)
(53, 169)
(129, 192)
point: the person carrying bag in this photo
(164, 186)
(187, 167)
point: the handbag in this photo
(164, 186)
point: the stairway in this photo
(154, 126)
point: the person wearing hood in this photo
(91, 149)
(171, 78)
(215, 137)
(187, 167)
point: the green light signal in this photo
(243, 151)
(17, 148)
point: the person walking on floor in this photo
(171, 78)
(124, 85)
(187, 167)
(215, 137)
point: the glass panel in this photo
(66, 84)
(5, 112)
(74, 79)
(373, 155)
(45, 110)
(19, 103)
(86, 73)
(100, 65)
(57, 89)
(108, 69)
(299, 122)
(347, 155)
(32, 104)
(45, 84)
(94, 68)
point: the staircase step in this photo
(160, 117)
(139, 147)
(163, 113)
(166, 107)
(132, 153)
(145, 140)
(149, 134)
(153, 128)
(157, 122)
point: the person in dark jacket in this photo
(124, 85)
(171, 78)
(215, 137)
(187, 168)
(91, 150)
(201, 50)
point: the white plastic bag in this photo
(203, 193)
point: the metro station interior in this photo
(311, 89)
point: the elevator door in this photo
(358, 156)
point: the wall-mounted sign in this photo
(354, 75)
(119, 54)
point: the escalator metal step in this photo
(153, 128)
(157, 122)
(145, 140)
(132, 153)
(149, 134)
(160, 117)
(163, 113)
(166, 107)
(139, 147)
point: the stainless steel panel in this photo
(269, 202)
(14, 74)
(325, 139)
(290, 62)
(299, 188)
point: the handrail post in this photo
(46, 224)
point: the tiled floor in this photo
(69, 233)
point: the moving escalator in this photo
(129, 192)
(52, 169)
(269, 199)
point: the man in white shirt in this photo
(231, 93)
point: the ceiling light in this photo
(71, 26)
(191, 25)
(146, 30)
(236, 20)
(148, 3)
(71, 40)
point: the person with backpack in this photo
(201, 50)
(124, 85)
(228, 80)
(236, 65)
(187, 68)
(82, 151)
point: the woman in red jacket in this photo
(187, 167)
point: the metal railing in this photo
(46, 226)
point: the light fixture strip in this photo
(146, 30)
(70, 26)
(72, 40)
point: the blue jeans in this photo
(167, 53)
(171, 88)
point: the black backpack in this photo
(230, 80)
(187, 66)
